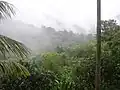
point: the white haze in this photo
(69, 12)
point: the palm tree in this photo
(10, 47)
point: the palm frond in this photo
(12, 47)
(6, 44)
(11, 68)
(6, 10)
(9, 46)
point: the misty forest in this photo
(45, 58)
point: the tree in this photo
(109, 29)
(11, 47)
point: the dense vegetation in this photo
(68, 67)
(73, 67)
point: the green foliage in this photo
(73, 67)
(43, 81)
(11, 47)
(67, 68)
(12, 69)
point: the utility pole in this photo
(98, 50)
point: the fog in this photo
(76, 15)
(66, 12)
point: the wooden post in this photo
(98, 50)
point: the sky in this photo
(80, 12)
